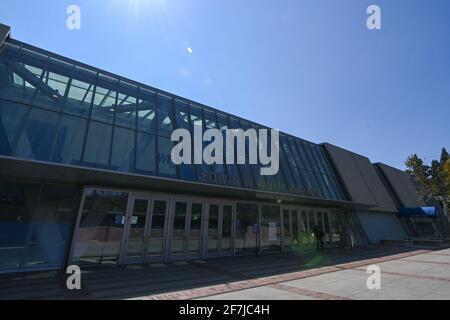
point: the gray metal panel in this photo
(402, 185)
(5, 31)
(360, 179)
(382, 226)
(376, 186)
(350, 174)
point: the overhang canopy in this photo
(418, 212)
(15, 168)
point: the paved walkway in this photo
(339, 274)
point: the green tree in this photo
(420, 174)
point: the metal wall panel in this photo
(401, 185)
(360, 179)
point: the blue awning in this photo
(419, 211)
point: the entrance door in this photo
(218, 233)
(145, 229)
(291, 227)
(186, 232)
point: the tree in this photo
(419, 172)
(431, 181)
(444, 157)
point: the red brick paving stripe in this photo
(308, 293)
(254, 283)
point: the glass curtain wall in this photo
(60, 111)
(36, 224)
(99, 236)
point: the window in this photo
(147, 111)
(17, 210)
(27, 74)
(69, 140)
(98, 145)
(12, 120)
(52, 87)
(164, 115)
(80, 93)
(100, 231)
(245, 170)
(104, 103)
(146, 154)
(182, 122)
(126, 109)
(38, 135)
(123, 150)
(166, 166)
(52, 232)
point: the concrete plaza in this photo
(337, 274)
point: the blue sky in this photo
(308, 67)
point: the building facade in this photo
(86, 177)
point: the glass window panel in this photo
(136, 236)
(28, 71)
(179, 228)
(210, 119)
(105, 96)
(52, 88)
(182, 115)
(146, 154)
(52, 230)
(227, 225)
(233, 178)
(165, 165)
(126, 109)
(7, 56)
(17, 213)
(156, 241)
(245, 170)
(147, 111)
(195, 228)
(12, 120)
(182, 122)
(213, 228)
(122, 158)
(98, 145)
(79, 97)
(201, 170)
(165, 115)
(69, 140)
(38, 135)
(100, 232)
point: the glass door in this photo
(194, 228)
(213, 232)
(135, 226)
(157, 231)
(247, 228)
(219, 229)
(145, 230)
(226, 229)
(178, 231)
